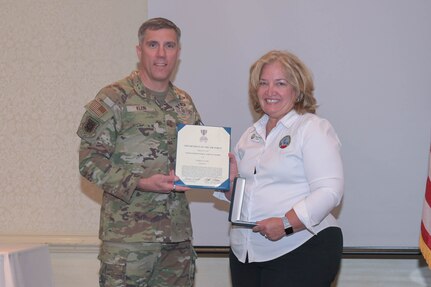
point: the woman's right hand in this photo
(233, 172)
(233, 167)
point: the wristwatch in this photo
(287, 226)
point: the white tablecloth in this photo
(25, 265)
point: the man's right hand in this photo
(161, 183)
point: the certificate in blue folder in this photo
(202, 156)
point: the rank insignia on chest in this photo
(284, 142)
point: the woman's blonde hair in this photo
(298, 75)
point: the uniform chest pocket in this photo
(137, 118)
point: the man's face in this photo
(158, 54)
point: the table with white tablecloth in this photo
(25, 265)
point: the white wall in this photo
(54, 58)
(371, 66)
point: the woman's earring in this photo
(300, 97)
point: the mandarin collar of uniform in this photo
(171, 96)
(287, 121)
(137, 84)
(140, 88)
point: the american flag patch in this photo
(97, 108)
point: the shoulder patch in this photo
(97, 108)
(88, 126)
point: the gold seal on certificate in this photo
(202, 156)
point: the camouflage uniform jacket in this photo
(127, 133)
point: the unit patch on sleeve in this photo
(88, 127)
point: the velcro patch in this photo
(97, 108)
(88, 127)
(139, 108)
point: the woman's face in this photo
(276, 96)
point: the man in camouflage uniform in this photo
(128, 148)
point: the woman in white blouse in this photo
(290, 159)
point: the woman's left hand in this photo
(271, 228)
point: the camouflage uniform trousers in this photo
(147, 264)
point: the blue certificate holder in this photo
(202, 157)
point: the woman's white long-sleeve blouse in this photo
(297, 165)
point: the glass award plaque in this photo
(236, 204)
